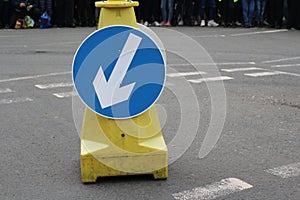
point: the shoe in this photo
(237, 23)
(265, 23)
(247, 26)
(212, 23)
(228, 25)
(146, 23)
(180, 23)
(278, 25)
(168, 24)
(155, 23)
(202, 24)
(196, 23)
(162, 23)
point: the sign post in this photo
(119, 73)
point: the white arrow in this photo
(109, 92)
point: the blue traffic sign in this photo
(119, 72)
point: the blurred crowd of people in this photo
(213, 13)
(63, 13)
(227, 13)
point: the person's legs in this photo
(148, 11)
(212, 8)
(13, 19)
(163, 10)
(170, 9)
(59, 12)
(245, 12)
(251, 11)
(155, 10)
(258, 11)
(142, 7)
(296, 14)
(279, 13)
(238, 12)
(202, 4)
(91, 12)
(228, 12)
(81, 12)
(69, 13)
(225, 12)
(35, 14)
(263, 9)
(272, 12)
(1, 13)
(290, 14)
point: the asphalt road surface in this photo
(256, 157)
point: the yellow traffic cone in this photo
(115, 147)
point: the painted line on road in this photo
(281, 60)
(54, 85)
(288, 73)
(4, 36)
(207, 36)
(237, 63)
(180, 74)
(35, 76)
(218, 189)
(286, 171)
(259, 32)
(219, 78)
(264, 74)
(241, 69)
(204, 64)
(65, 94)
(290, 65)
(15, 100)
(5, 90)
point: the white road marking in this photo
(207, 36)
(264, 74)
(3, 36)
(259, 32)
(15, 100)
(203, 64)
(33, 77)
(241, 69)
(180, 74)
(289, 65)
(219, 78)
(5, 90)
(288, 73)
(281, 60)
(65, 94)
(54, 85)
(286, 171)
(215, 190)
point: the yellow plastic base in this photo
(112, 148)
